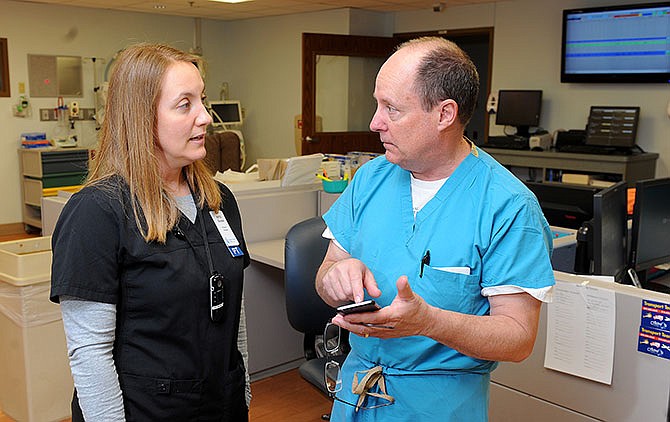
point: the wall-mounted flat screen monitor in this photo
(519, 108)
(622, 43)
(225, 113)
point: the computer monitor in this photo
(519, 108)
(609, 227)
(611, 126)
(564, 205)
(225, 113)
(616, 44)
(650, 235)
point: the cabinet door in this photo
(32, 191)
(31, 162)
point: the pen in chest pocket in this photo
(424, 261)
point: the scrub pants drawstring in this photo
(373, 377)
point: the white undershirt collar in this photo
(423, 191)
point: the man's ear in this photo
(448, 113)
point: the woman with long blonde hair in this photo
(148, 257)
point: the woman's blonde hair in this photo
(129, 140)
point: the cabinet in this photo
(268, 212)
(550, 163)
(527, 391)
(44, 171)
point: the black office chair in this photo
(307, 313)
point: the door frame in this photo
(353, 45)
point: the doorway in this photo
(478, 44)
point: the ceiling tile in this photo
(255, 8)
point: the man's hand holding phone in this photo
(365, 306)
(354, 308)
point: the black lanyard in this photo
(201, 217)
(179, 234)
(216, 280)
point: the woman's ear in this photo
(448, 113)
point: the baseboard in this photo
(276, 369)
(12, 228)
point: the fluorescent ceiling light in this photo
(231, 1)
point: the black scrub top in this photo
(174, 362)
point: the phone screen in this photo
(365, 306)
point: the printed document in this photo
(580, 331)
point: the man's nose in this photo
(376, 124)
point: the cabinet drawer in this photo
(38, 163)
(35, 189)
(32, 192)
(53, 163)
(63, 179)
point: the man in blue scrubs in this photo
(452, 246)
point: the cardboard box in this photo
(576, 178)
(601, 183)
(35, 380)
(271, 168)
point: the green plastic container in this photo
(335, 186)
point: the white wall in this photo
(60, 30)
(264, 70)
(261, 61)
(526, 54)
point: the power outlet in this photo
(74, 110)
(49, 114)
(45, 115)
(492, 103)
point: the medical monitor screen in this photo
(628, 43)
(610, 126)
(564, 205)
(610, 226)
(650, 243)
(225, 113)
(519, 108)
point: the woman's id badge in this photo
(227, 233)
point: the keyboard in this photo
(506, 142)
(594, 149)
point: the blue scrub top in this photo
(483, 220)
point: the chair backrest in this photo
(223, 151)
(303, 254)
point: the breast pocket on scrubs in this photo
(453, 289)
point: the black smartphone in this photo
(353, 308)
(216, 283)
